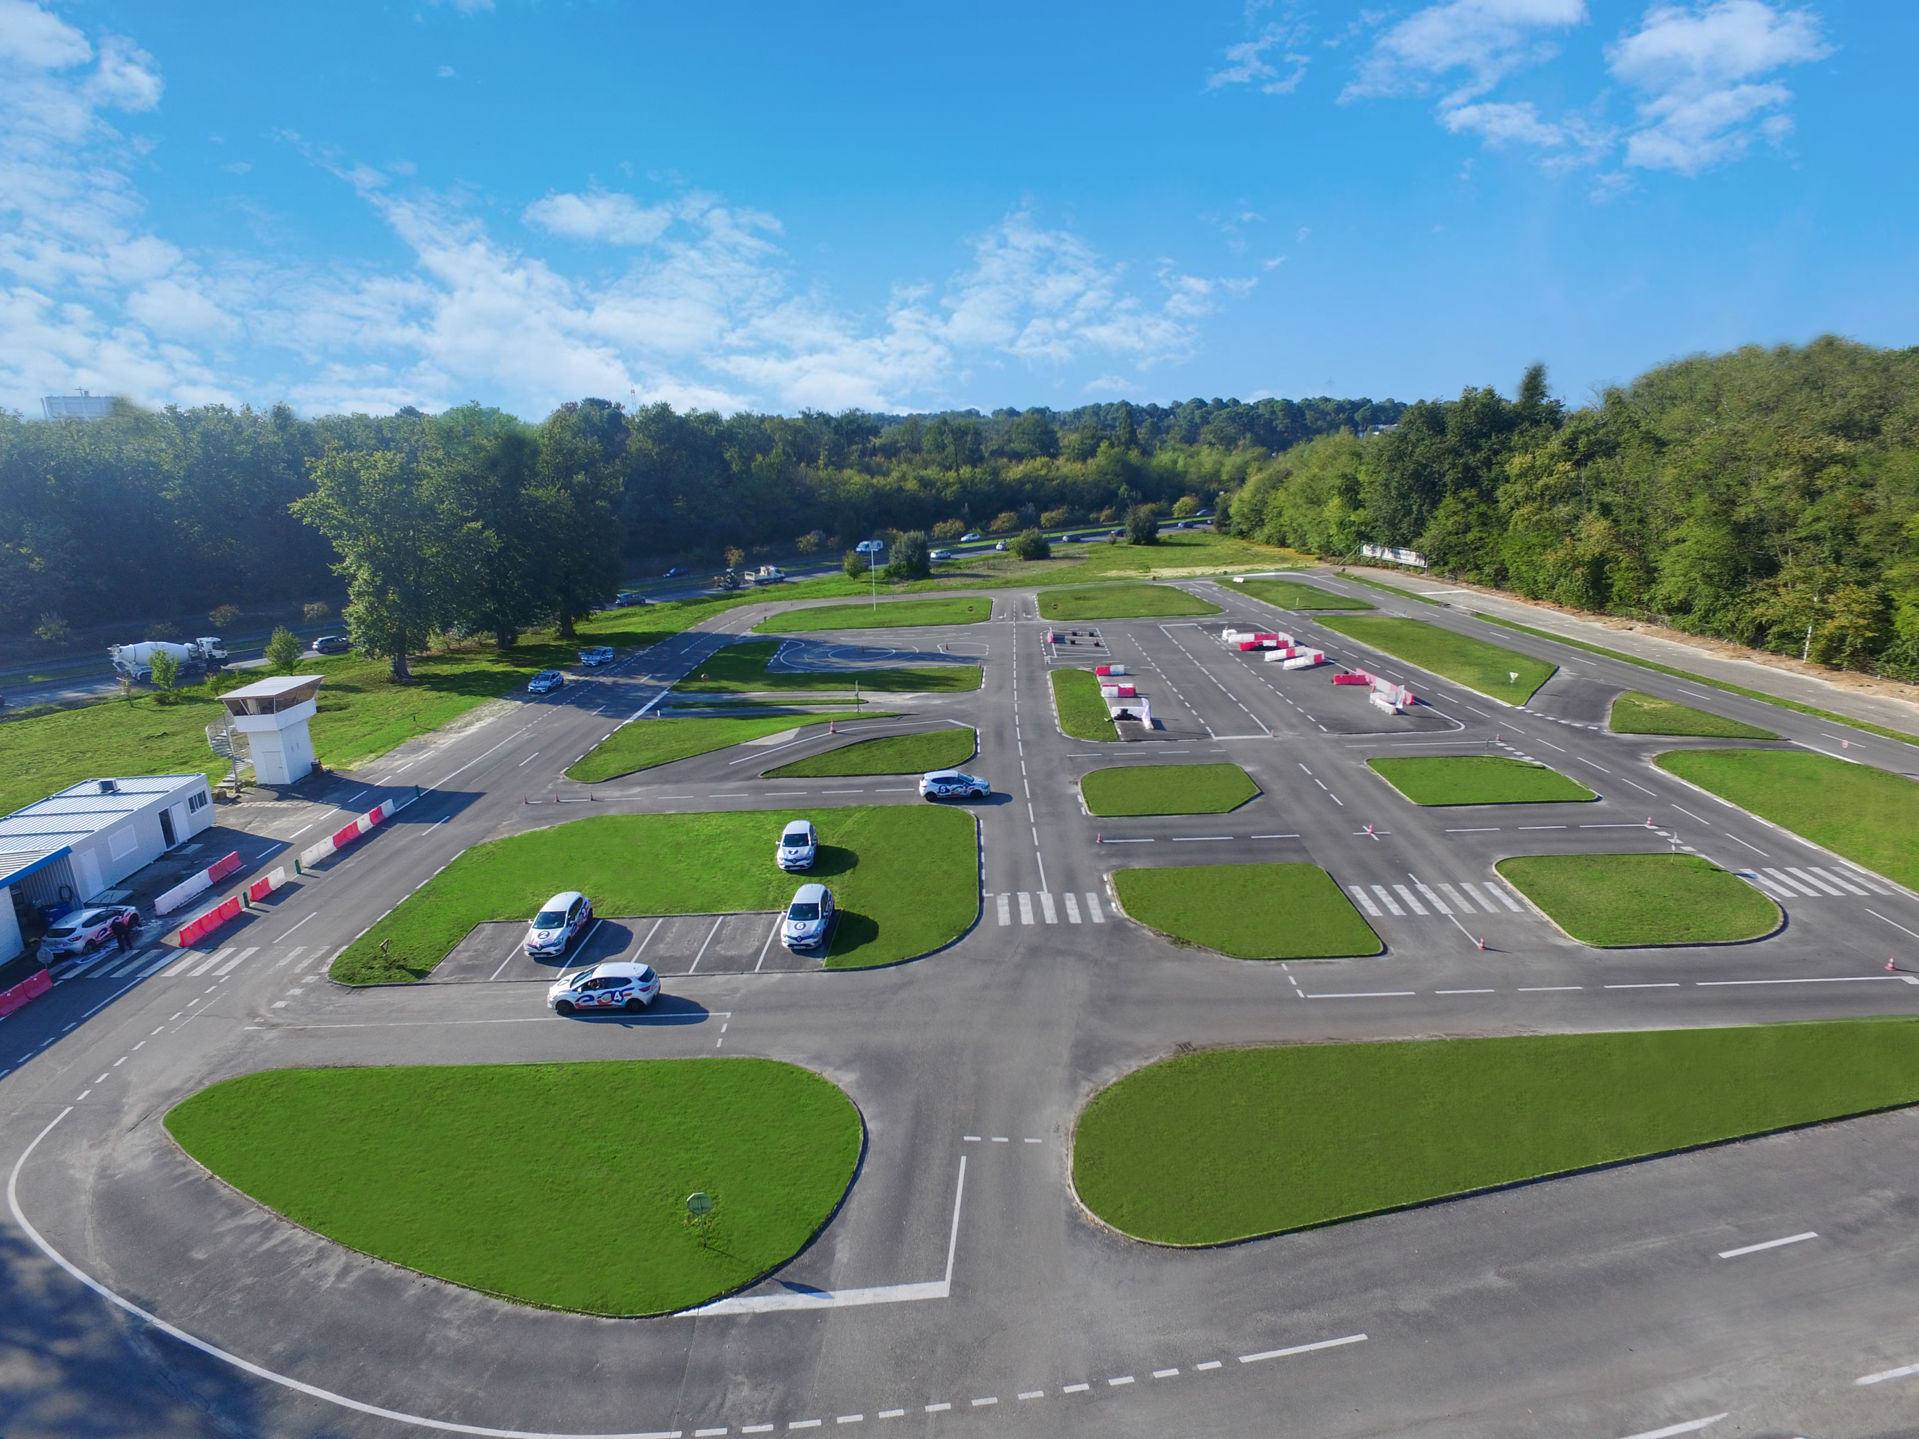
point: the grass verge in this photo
(906, 879)
(1903, 736)
(491, 1175)
(1082, 713)
(1622, 900)
(742, 668)
(1121, 602)
(1869, 816)
(1210, 1148)
(891, 754)
(1167, 789)
(648, 742)
(888, 614)
(1477, 779)
(1636, 713)
(1291, 595)
(1248, 911)
(1459, 658)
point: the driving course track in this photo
(1760, 1287)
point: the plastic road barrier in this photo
(1103, 670)
(1384, 701)
(1302, 661)
(346, 834)
(197, 929)
(261, 888)
(26, 991)
(1118, 692)
(197, 883)
(1356, 677)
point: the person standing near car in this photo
(123, 924)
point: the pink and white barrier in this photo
(1104, 670)
(200, 927)
(345, 835)
(1355, 677)
(197, 883)
(1301, 659)
(27, 990)
(1118, 692)
(261, 888)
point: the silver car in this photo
(82, 931)
(951, 784)
(560, 919)
(809, 918)
(627, 984)
(799, 846)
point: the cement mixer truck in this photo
(136, 661)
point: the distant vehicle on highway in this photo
(768, 575)
(673, 574)
(799, 846)
(626, 599)
(970, 536)
(332, 645)
(939, 555)
(545, 682)
(808, 918)
(136, 661)
(628, 984)
(952, 784)
(594, 656)
(1001, 546)
(83, 931)
(558, 923)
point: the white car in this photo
(939, 556)
(593, 656)
(82, 931)
(809, 918)
(951, 784)
(558, 923)
(970, 536)
(627, 984)
(545, 682)
(799, 846)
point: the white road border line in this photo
(1769, 1244)
(1691, 1426)
(1302, 1349)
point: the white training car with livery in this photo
(626, 984)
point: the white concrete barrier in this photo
(186, 889)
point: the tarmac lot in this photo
(960, 1287)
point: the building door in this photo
(166, 828)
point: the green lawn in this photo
(1120, 602)
(1460, 658)
(1291, 595)
(1636, 713)
(1866, 814)
(891, 754)
(1082, 713)
(1477, 779)
(888, 614)
(648, 742)
(1213, 1147)
(1167, 789)
(906, 879)
(742, 668)
(559, 1185)
(1249, 911)
(1637, 899)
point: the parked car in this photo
(799, 846)
(938, 555)
(332, 645)
(82, 931)
(809, 918)
(593, 656)
(545, 682)
(628, 984)
(558, 923)
(951, 784)
(970, 536)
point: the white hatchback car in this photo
(809, 918)
(558, 923)
(799, 846)
(951, 784)
(627, 984)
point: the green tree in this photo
(1029, 545)
(165, 667)
(911, 557)
(1142, 525)
(283, 649)
(854, 565)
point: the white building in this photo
(273, 715)
(76, 407)
(72, 846)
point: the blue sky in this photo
(362, 205)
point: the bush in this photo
(949, 530)
(854, 565)
(1142, 525)
(1185, 507)
(912, 556)
(283, 649)
(316, 612)
(1055, 519)
(166, 671)
(810, 542)
(223, 616)
(1030, 545)
(53, 628)
(1004, 523)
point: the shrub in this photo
(1004, 523)
(1142, 525)
(53, 628)
(1054, 519)
(283, 649)
(810, 542)
(949, 529)
(1030, 545)
(166, 671)
(223, 616)
(854, 565)
(316, 612)
(1185, 507)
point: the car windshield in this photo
(548, 919)
(795, 836)
(804, 911)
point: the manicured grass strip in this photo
(1635, 899)
(1082, 713)
(1904, 736)
(1209, 1148)
(561, 1185)
(1291, 595)
(1391, 589)
(1477, 779)
(1249, 911)
(1636, 713)
(1167, 789)
(1120, 602)
(742, 667)
(1460, 658)
(1866, 814)
(892, 754)
(647, 742)
(888, 614)
(906, 879)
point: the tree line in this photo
(1765, 496)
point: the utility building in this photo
(273, 716)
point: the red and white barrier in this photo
(197, 883)
(1354, 677)
(264, 886)
(1104, 670)
(1382, 700)
(1301, 659)
(345, 835)
(201, 926)
(26, 991)
(1118, 692)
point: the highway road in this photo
(1761, 1288)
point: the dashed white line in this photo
(1769, 1244)
(1691, 1426)
(1075, 1388)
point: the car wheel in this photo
(90, 946)
(634, 1005)
(563, 1007)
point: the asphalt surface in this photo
(960, 1288)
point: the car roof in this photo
(943, 774)
(811, 893)
(564, 898)
(793, 824)
(620, 966)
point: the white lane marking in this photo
(1072, 907)
(1302, 1349)
(1006, 909)
(1893, 922)
(1791, 884)
(1032, 1394)
(982, 1403)
(1465, 991)
(1904, 1371)
(1803, 875)
(1689, 814)
(1847, 885)
(1657, 984)
(1047, 911)
(212, 959)
(1498, 892)
(1075, 1388)
(1547, 988)
(235, 962)
(1358, 892)
(1093, 911)
(1691, 1426)
(1600, 767)
(1368, 994)
(1769, 1244)
(1025, 907)
(528, 760)
(1166, 1373)
(1122, 1379)
(1434, 900)
(1209, 1364)
(292, 954)
(937, 1408)
(1392, 905)
(1407, 895)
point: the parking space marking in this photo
(708, 940)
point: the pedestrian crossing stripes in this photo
(1420, 900)
(1078, 908)
(1812, 882)
(146, 963)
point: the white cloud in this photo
(1702, 72)
(32, 37)
(1246, 62)
(1487, 40)
(599, 215)
(446, 72)
(1504, 123)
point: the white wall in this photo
(10, 941)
